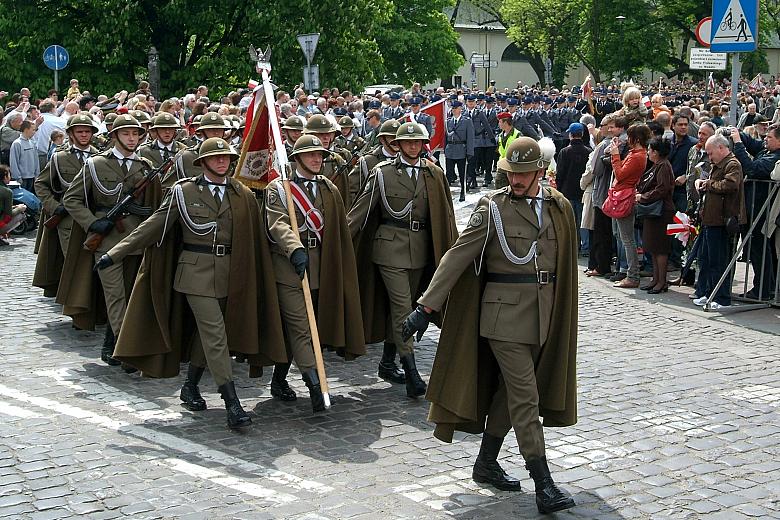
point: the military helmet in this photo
(411, 132)
(294, 123)
(141, 116)
(212, 120)
(319, 124)
(308, 143)
(126, 121)
(196, 120)
(523, 155)
(81, 119)
(110, 118)
(241, 123)
(235, 121)
(389, 128)
(165, 120)
(215, 146)
(346, 122)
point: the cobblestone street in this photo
(679, 418)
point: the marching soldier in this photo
(103, 141)
(104, 179)
(420, 117)
(387, 149)
(164, 146)
(292, 129)
(492, 154)
(402, 223)
(146, 122)
(521, 122)
(347, 139)
(458, 146)
(211, 125)
(191, 140)
(50, 186)
(218, 265)
(323, 249)
(336, 167)
(521, 307)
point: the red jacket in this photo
(630, 170)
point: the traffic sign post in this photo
(311, 73)
(734, 29)
(56, 58)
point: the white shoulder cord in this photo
(370, 203)
(397, 214)
(502, 240)
(65, 185)
(198, 229)
(102, 189)
(478, 267)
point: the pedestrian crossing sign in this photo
(734, 25)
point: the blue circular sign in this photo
(56, 57)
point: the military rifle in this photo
(119, 211)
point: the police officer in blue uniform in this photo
(458, 145)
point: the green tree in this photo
(418, 44)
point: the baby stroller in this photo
(33, 203)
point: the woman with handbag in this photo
(621, 197)
(656, 209)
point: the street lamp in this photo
(620, 20)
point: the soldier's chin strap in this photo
(212, 172)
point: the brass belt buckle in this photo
(312, 242)
(220, 250)
(543, 277)
(414, 225)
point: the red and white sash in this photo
(315, 221)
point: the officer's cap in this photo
(456, 104)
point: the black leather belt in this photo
(216, 250)
(414, 225)
(541, 277)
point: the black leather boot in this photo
(549, 498)
(388, 370)
(107, 351)
(237, 418)
(486, 468)
(280, 389)
(415, 386)
(190, 393)
(312, 381)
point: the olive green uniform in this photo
(517, 301)
(158, 152)
(102, 182)
(402, 246)
(203, 266)
(54, 179)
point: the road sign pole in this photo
(56, 66)
(736, 69)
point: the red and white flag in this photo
(587, 89)
(256, 166)
(646, 101)
(757, 83)
(438, 114)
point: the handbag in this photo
(619, 203)
(651, 210)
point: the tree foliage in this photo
(361, 41)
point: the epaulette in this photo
(385, 163)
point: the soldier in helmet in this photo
(218, 235)
(402, 223)
(211, 125)
(143, 117)
(323, 249)
(510, 331)
(387, 149)
(50, 186)
(335, 167)
(292, 129)
(104, 179)
(103, 141)
(184, 136)
(164, 146)
(348, 139)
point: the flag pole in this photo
(264, 68)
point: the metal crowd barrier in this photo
(742, 253)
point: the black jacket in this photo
(571, 165)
